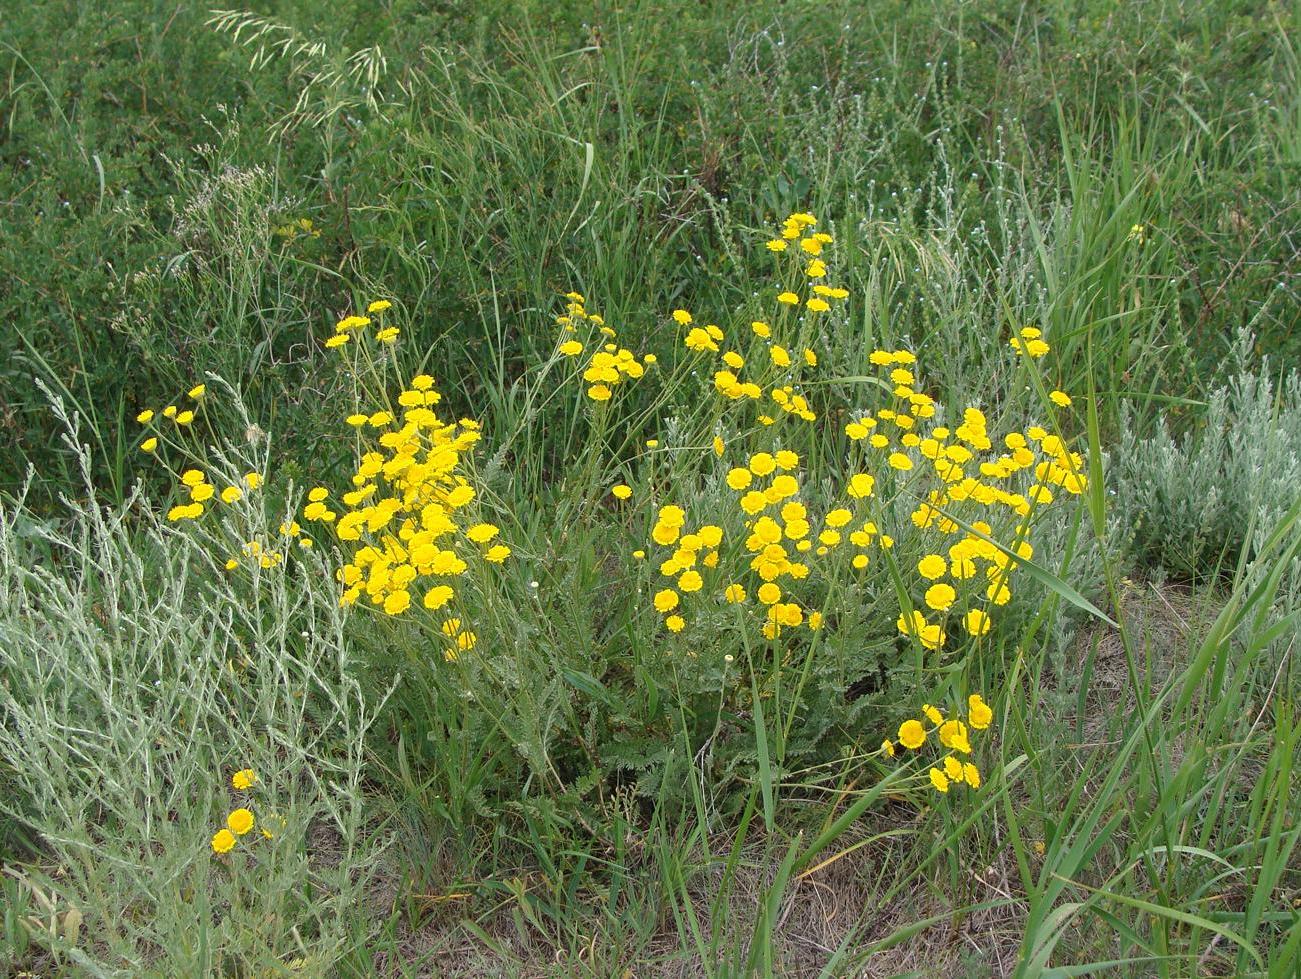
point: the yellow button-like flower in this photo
(976, 621)
(239, 822)
(243, 779)
(939, 781)
(621, 491)
(222, 841)
(912, 734)
(666, 600)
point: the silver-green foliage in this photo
(1194, 503)
(136, 675)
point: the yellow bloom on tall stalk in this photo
(223, 841)
(240, 821)
(243, 779)
(912, 734)
(979, 712)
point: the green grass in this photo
(585, 793)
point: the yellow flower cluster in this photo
(194, 484)
(973, 482)
(969, 491)
(607, 367)
(404, 521)
(772, 366)
(355, 326)
(779, 532)
(954, 736)
(181, 417)
(239, 821)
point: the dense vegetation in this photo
(482, 488)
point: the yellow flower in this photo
(738, 478)
(911, 734)
(185, 417)
(718, 446)
(734, 594)
(252, 480)
(243, 779)
(977, 622)
(438, 596)
(571, 348)
(387, 335)
(931, 566)
(776, 245)
(239, 822)
(887, 746)
(1060, 398)
(378, 306)
(599, 392)
(231, 494)
(169, 411)
(198, 391)
(222, 841)
(860, 486)
(932, 714)
(971, 775)
(675, 623)
(939, 781)
(761, 330)
(979, 712)
(953, 734)
(900, 461)
(496, 554)
(788, 298)
(690, 581)
(397, 603)
(680, 316)
(666, 600)
(940, 597)
(952, 768)
(481, 533)
(145, 417)
(622, 491)
(818, 305)
(192, 477)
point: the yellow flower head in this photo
(243, 779)
(939, 781)
(223, 841)
(978, 712)
(239, 822)
(911, 734)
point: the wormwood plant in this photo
(147, 697)
(1194, 503)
